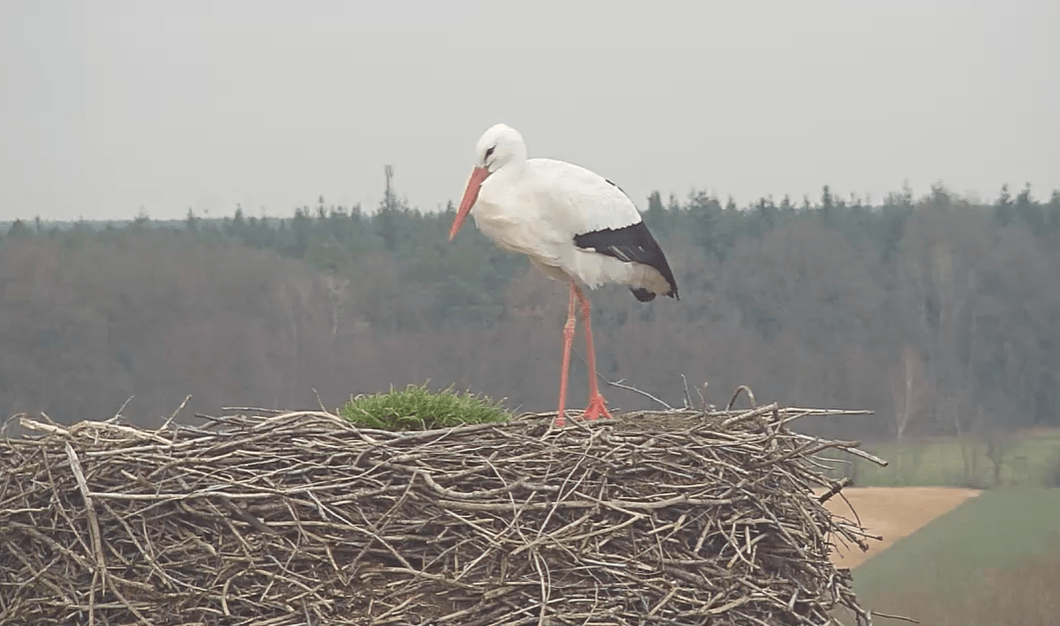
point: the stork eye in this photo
(490, 151)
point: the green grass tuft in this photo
(418, 408)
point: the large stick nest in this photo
(680, 517)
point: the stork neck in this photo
(511, 171)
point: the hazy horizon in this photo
(116, 105)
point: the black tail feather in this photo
(642, 294)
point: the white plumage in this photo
(572, 223)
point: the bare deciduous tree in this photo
(910, 391)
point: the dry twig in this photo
(297, 518)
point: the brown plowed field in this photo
(892, 512)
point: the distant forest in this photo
(940, 314)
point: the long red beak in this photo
(478, 175)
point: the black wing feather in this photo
(632, 244)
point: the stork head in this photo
(499, 146)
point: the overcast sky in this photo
(108, 106)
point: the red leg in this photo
(597, 407)
(568, 337)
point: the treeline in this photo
(940, 314)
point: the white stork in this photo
(573, 224)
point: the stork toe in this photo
(597, 408)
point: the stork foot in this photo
(597, 408)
